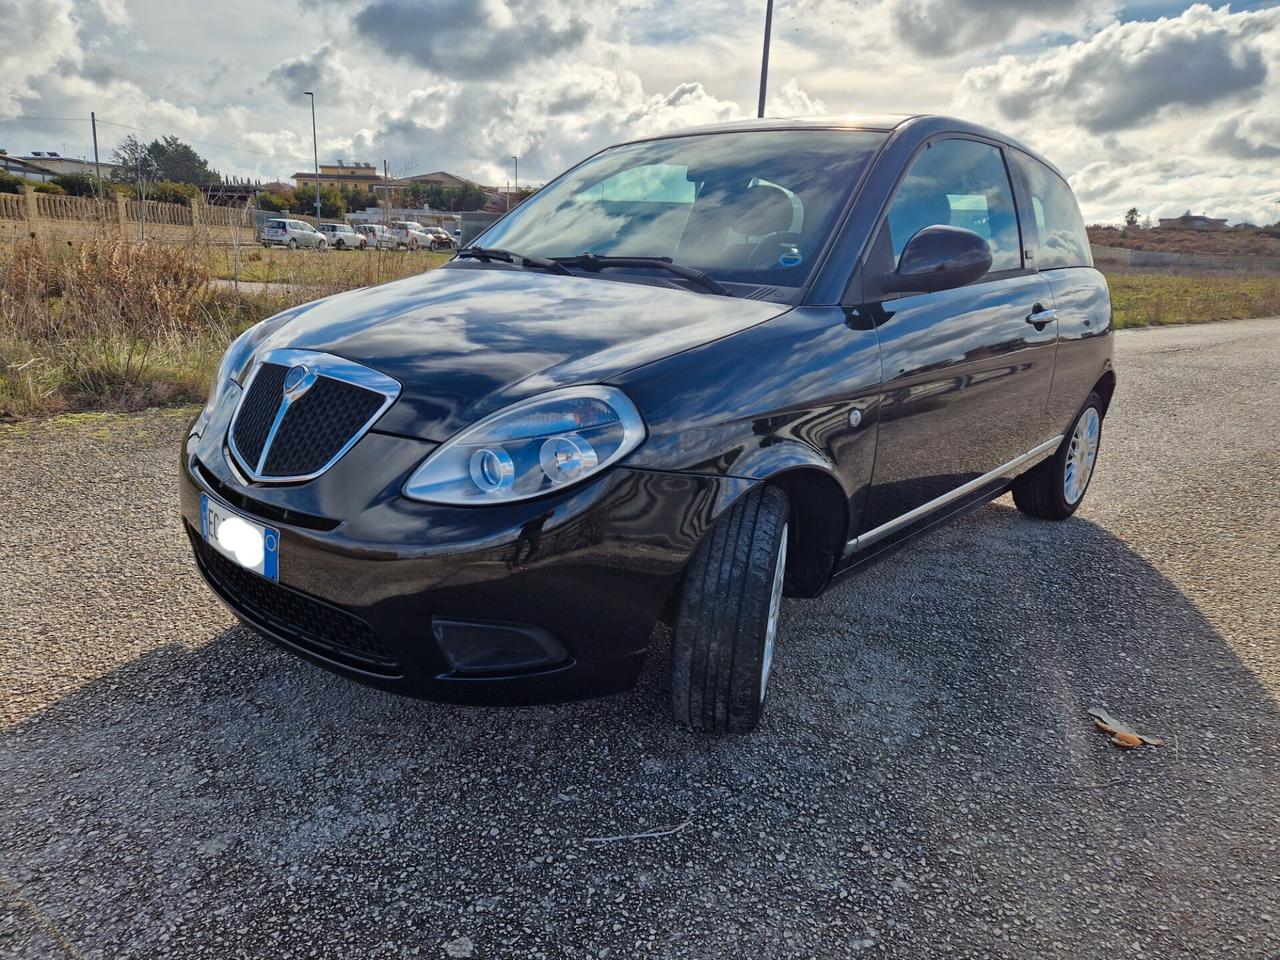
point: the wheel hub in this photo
(1081, 455)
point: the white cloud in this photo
(37, 35)
(1130, 73)
(1164, 114)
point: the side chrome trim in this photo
(318, 365)
(1028, 459)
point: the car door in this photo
(1079, 291)
(966, 376)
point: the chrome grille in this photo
(302, 410)
(258, 411)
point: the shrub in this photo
(49, 188)
(164, 191)
(9, 183)
(84, 185)
(275, 202)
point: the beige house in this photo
(362, 176)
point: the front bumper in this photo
(366, 582)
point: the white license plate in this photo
(251, 545)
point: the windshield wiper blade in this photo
(488, 254)
(594, 261)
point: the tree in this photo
(134, 162)
(439, 197)
(276, 202)
(165, 159)
(331, 205)
(179, 162)
(1131, 217)
(354, 198)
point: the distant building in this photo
(59, 165)
(1190, 221)
(362, 176)
(19, 167)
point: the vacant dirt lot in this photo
(927, 782)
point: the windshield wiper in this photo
(488, 254)
(594, 261)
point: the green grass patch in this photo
(1150, 299)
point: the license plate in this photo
(251, 545)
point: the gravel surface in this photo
(926, 782)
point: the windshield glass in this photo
(751, 207)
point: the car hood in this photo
(464, 341)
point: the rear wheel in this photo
(727, 617)
(293, 243)
(1054, 489)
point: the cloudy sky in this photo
(1160, 105)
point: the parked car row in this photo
(400, 235)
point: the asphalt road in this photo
(927, 782)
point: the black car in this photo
(693, 374)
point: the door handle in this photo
(1040, 316)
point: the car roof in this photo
(920, 126)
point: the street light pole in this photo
(516, 177)
(315, 147)
(764, 58)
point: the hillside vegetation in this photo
(1213, 243)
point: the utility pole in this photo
(315, 146)
(764, 59)
(97, 167)
(516, 160)
(386, 195)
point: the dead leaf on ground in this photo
(1122, 733)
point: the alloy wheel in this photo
(1081, 455)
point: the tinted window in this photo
(750, 207)
(962, 183)
(1063, 240)
(275, 224)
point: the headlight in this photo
(530, 448)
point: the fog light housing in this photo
(480, 647)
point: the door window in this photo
(960, 183)
(1063, 240)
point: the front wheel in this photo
(727, 617)
(293, 244)
(1053, 489)
(339, 245)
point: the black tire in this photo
(339, 245)
(293, 244)
(1041, 491)
(718, 679)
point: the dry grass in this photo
(109, 324)
(328, 272)
(105, 324)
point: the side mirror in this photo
(939, 258)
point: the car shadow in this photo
(927, 778)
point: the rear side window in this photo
(1063, 240)
(275, 224)
(959, 183)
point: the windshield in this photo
(751, 207)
